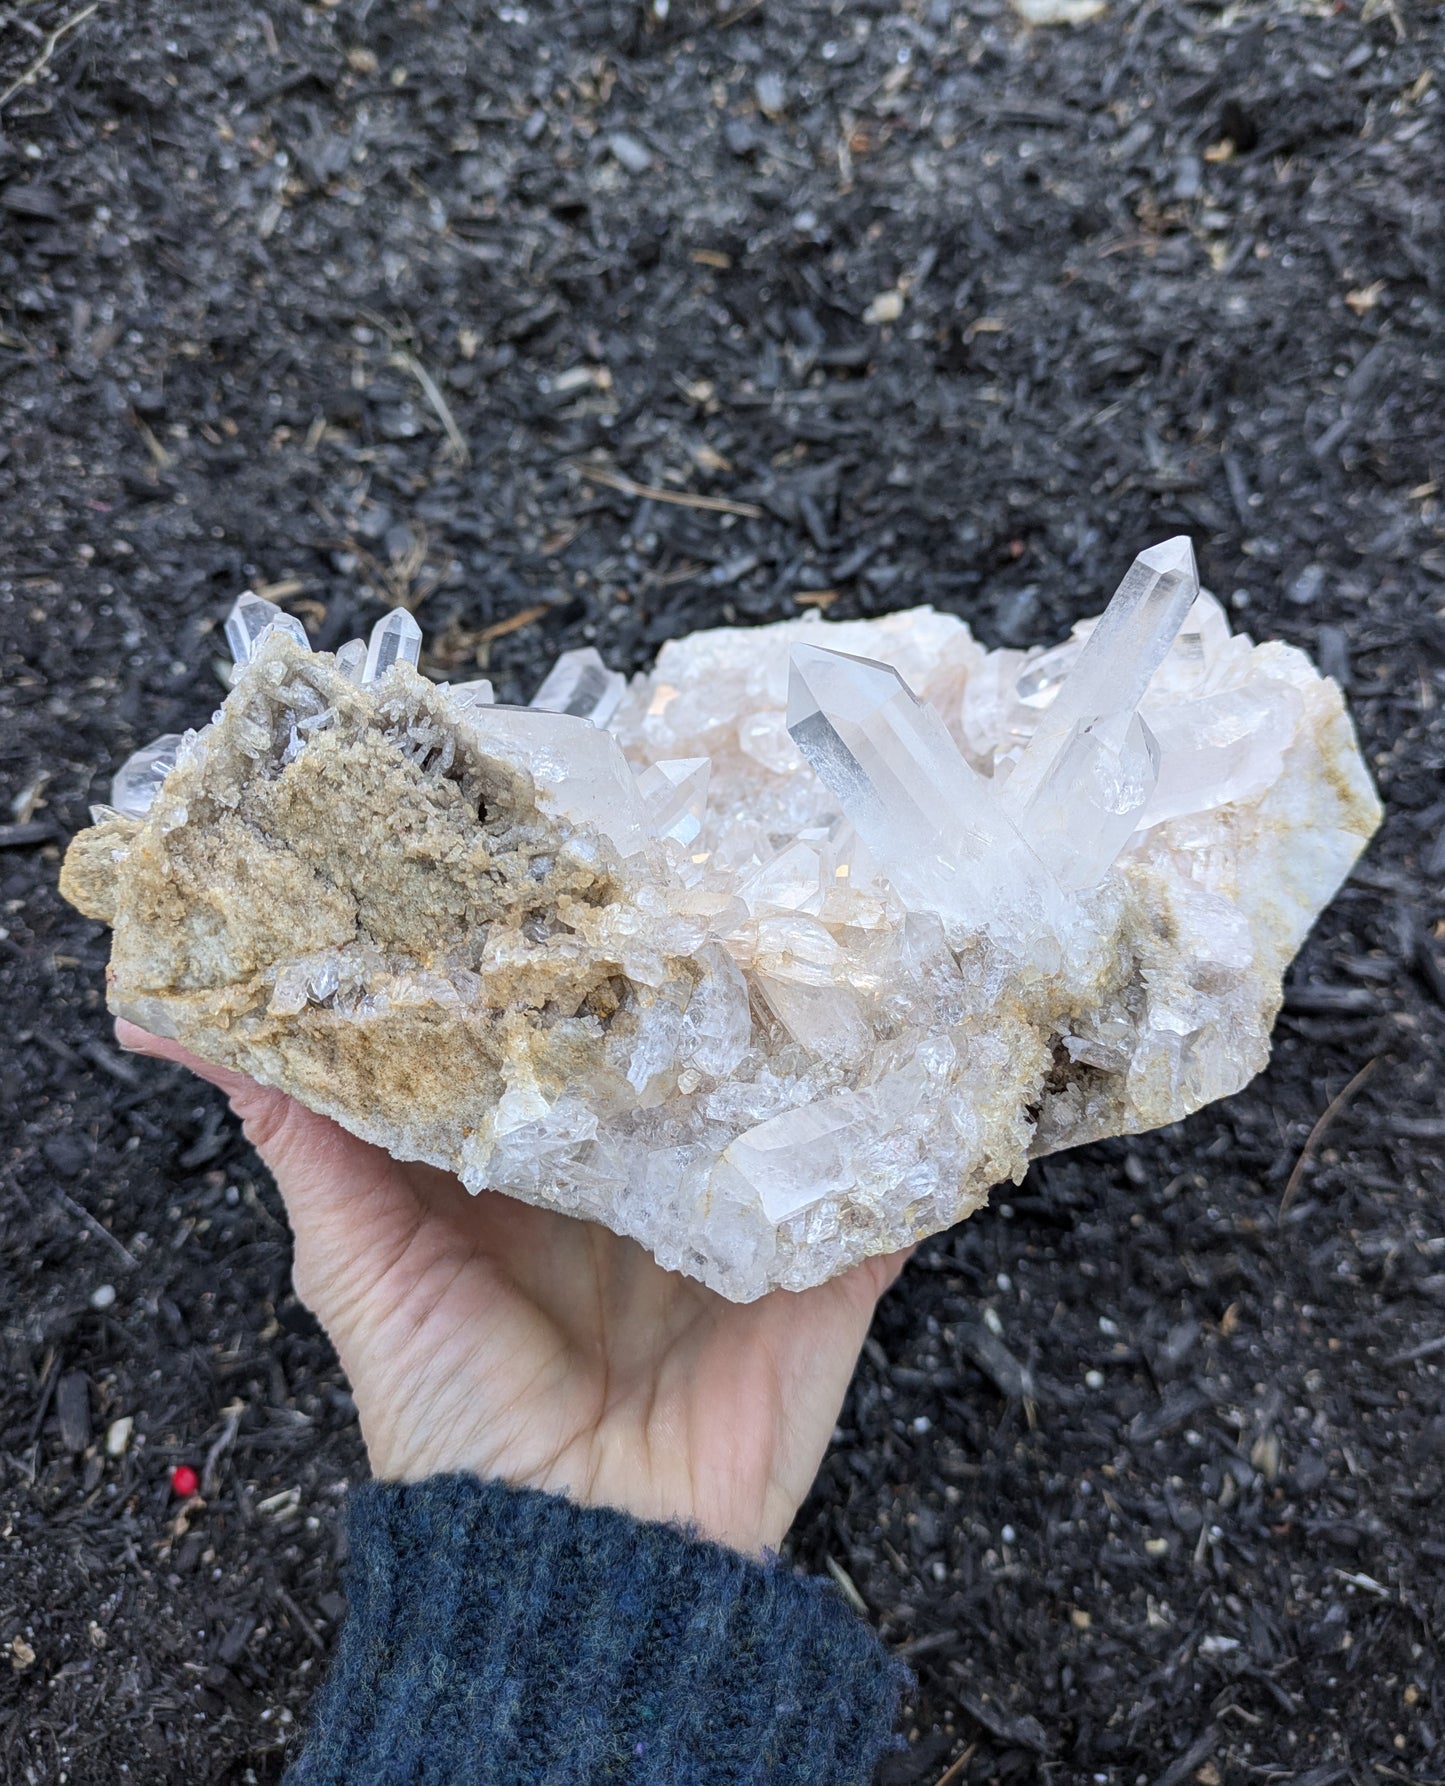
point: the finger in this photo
(889, 1267)
(864, 1285)
(237, 1087)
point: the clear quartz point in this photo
(396, 638)
(796, 964)
(797, 1158)
(1118, 660)
(139, 778)
(251, 619)
(351, 659)
(792, 881)
(1081, 784)
(580, 683)
(924, 813)
(674, 792)
(1093, 797)
(1191, 648)
(466, 695)
(1041, 681)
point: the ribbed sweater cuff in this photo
(506, 1637)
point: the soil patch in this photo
(466, 306)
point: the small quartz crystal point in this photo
(251, 619)
(675, 794)
(351, 659)
(396, 638)
(139, 777)
(464, 695)
(580, 683)
(778, 961)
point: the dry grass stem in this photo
(716, 505)
(41, 62)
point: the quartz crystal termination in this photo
(1082, 782)
(777, 958)
(675, 794)
(580, 683)
(396, 638)
(141, 775)
(251, 619)
(903, 782)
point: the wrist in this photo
(752, 1532)
(569, 1642)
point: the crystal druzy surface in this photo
(776, 957)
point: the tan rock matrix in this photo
(778, 957)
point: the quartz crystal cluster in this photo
(774, 958)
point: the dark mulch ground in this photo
(1143, 1478)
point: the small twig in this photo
(114, 1064)
(1316, 1134)
(847, 1587)
(1415, 1353)
(209, 1479)
(50, 1376)
(47, 50)
(160, 458)
(738, 14)
(372, 569)
(512, 624)
(406, 361)
(98, 1229)
(300, 1617)
(15, 837)
(457, 645)
(716, 505)
(685, 572)
(388, 583)
(252, 1201)
(955, 1770)
(1366, 1582)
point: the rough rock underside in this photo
(775, 959)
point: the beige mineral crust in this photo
(634, 955)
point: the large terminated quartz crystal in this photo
(777, 958)
(1080, 785)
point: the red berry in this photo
(184, 1481)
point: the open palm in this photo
(484, 1335)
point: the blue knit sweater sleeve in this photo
(502, 1637)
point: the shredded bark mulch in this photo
(569, 322)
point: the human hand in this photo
(484, 1335)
